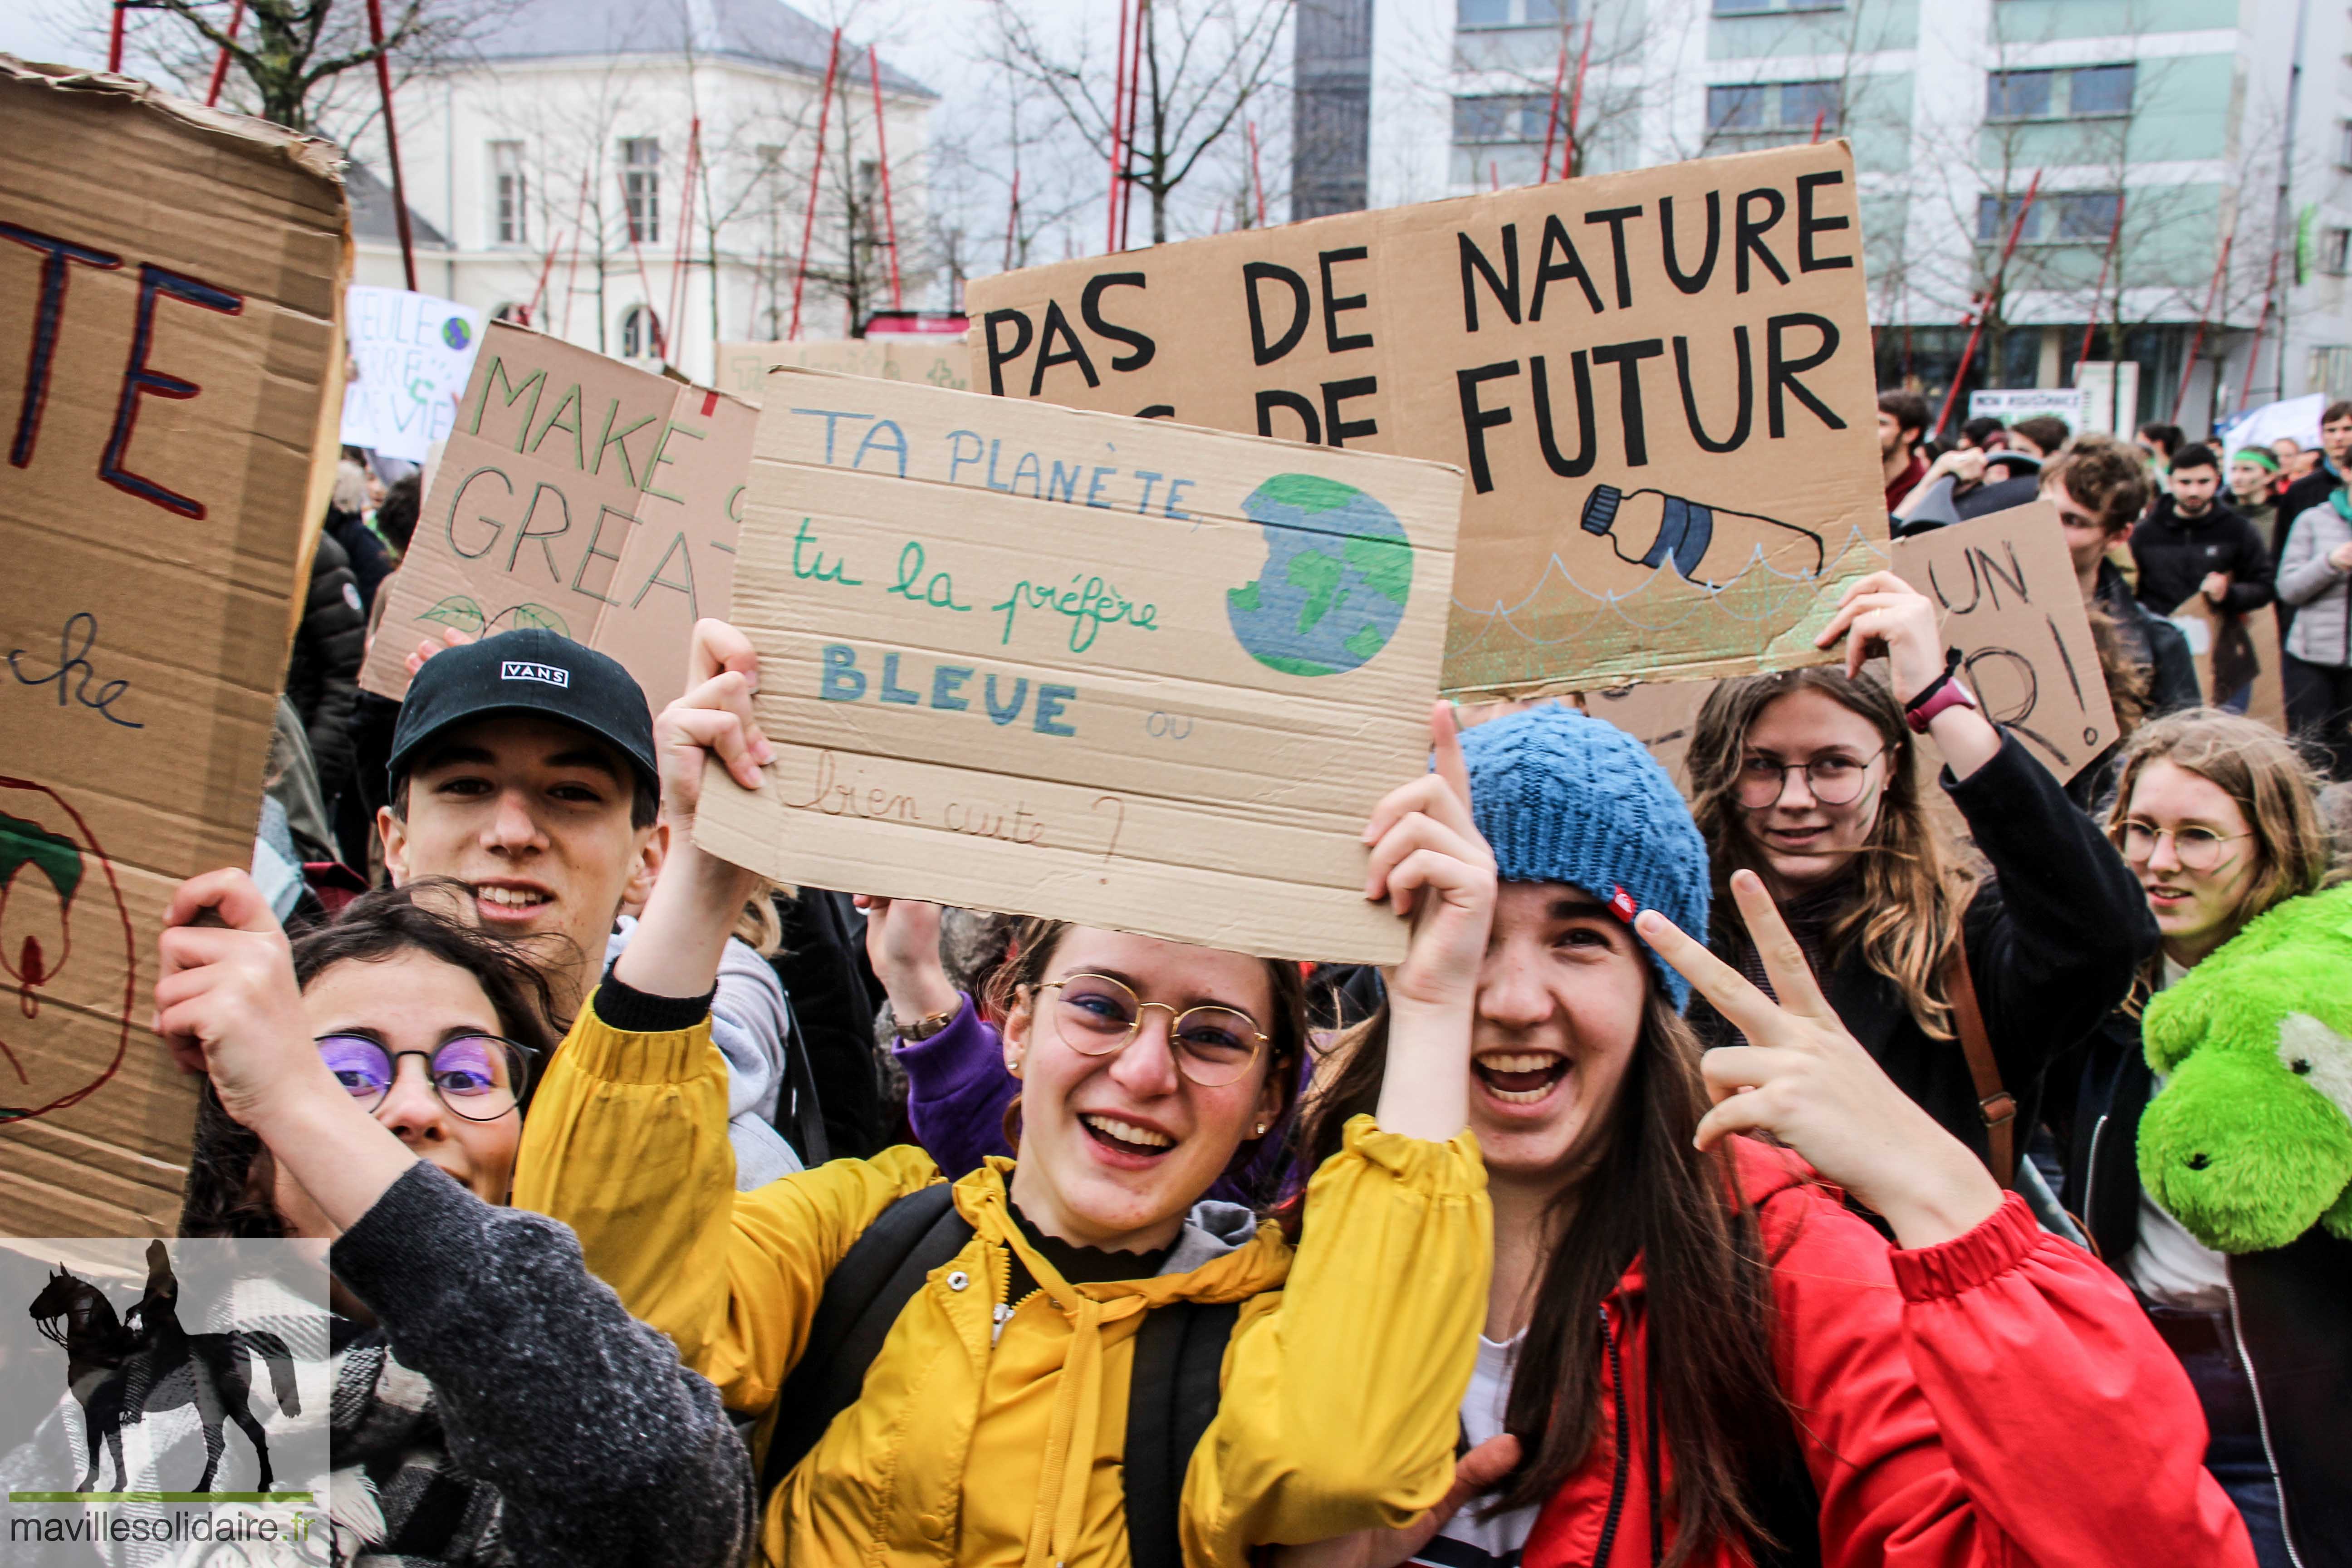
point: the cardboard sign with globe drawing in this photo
(1021, 658)
(1659, 382)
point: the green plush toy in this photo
(2250, 1142)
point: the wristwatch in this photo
(1942, 692)
(923, 1030)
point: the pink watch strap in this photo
(1950, 694)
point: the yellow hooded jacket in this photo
(980, 1442)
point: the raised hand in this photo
(713, 719)
(1805, 1079)
(450, 637)
(1429, 860)
(1883, 613)
(1475, 1473)
(226, 1000)
(902, 942)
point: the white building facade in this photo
(636, 179)
(2151, 131)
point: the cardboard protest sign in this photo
(1019, 657)
(579, 494)
(170, 379)
(1660, 385)
(2006, 597)
(940, 360)
(2233, 650)
(410, 356)
(1660, 715)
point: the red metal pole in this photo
(676, 294)
(2261, 324)
(220, 66)
(2212, 292)
(2115, 232)
(1821, 118)
(391, 142)
(1011, 219)
(1118, 120)
(808, 224)
(1984, 302)
(546, 266)
(1134, 99)
(1575, 102)
(1551, 113)
(572, 268)
(1494, 175)
(882, 149)
(1258, 175)
(114, 40)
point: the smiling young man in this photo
(522, 768)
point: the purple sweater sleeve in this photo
(957, 1090)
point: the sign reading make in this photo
(1018, 657)
(1660, 385)
(410, 355)
(580, 496)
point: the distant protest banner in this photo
(579, 495)
(410, 355)
(1660, 385)
(934, 360)
(1023, 658)
(2069, 403)
(170, 283)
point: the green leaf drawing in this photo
(458, 611)
(533, 617)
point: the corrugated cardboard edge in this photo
(238, 132)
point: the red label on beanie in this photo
(1622, 904)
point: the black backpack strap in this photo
(1171, 1396)
(862, 1297)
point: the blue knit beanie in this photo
(1567, 798)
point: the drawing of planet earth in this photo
(1338, 570)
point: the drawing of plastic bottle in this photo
(1708, 545)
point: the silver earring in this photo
(1261, 1130)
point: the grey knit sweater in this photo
(602, 1446)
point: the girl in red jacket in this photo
(1693, 1353)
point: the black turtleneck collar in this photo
(1078, 1265)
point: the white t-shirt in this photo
(2170, 1266)
(1468, 1540)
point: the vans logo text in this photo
(546, 674)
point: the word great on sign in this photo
(1659, 383)
(1020, 657)
(577, 495)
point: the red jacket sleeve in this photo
(1996, 1400)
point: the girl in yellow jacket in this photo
(991, 1423)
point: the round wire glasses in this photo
(479, 1077)
(1095, 1015)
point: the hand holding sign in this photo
(226, 1001)
(1805, 1079)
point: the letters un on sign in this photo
(1659, 382)
(1026, 658)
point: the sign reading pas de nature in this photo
(579, 495)
(1130, 673)
(1660, 385)
(169, 374)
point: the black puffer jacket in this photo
(2052, 940)
(2175, 553)
(323, 679)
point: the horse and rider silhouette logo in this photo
(122, 1369)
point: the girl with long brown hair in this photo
(1807, 778)
(1692, 1353)
(2218, 817)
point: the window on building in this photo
(508, 213)
(1773, 106)
(2059, 217)
(1760, 7)
(2336, 251)
(1510, 117)
(641, 180)
(1474, 14)
(2080, 93)
(2344, 143)
(640, 333)
(2331, 370)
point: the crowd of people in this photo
(1754, 1177)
